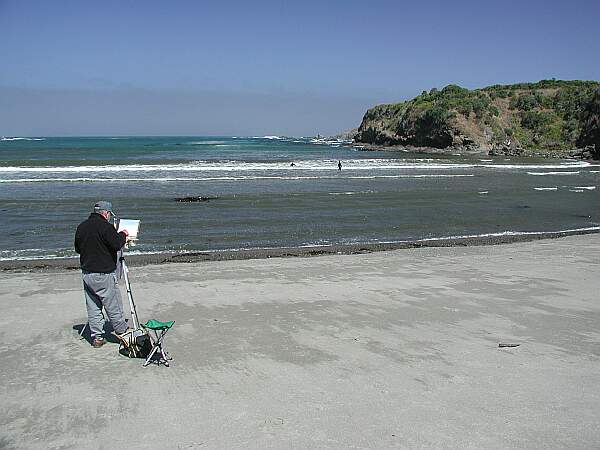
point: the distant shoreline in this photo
(55, 265)
(575, 154)
(410, 149)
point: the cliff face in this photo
(590, 133)
(548, 115)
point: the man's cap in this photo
(103, 206)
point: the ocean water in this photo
(48, 186)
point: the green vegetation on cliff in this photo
(547, 115)
(590, 135)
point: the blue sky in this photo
(273, 67)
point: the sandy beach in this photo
(392, 349)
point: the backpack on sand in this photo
(135, 344)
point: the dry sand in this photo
(394, 349)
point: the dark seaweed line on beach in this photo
(47, 265)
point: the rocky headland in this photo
(550, 118)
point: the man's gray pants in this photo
(101, 290)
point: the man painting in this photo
(97, 243)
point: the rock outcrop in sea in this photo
(547, 118)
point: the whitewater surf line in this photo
(322, 165)
(405, 243)
(247, 178)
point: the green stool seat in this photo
(156, 332)
(158, 325)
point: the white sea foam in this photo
(320, 165)
(25, 255)
(377, 241)
(236, 166)
(21, 139)
(205, 142)
(483, 192)
(330, 142)
(564, 165)
(224, 178)
(11, 252)
(552, 173)
(351, 193)
(585, 188)
(546, 188)
(514, 233)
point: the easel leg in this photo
(87, 324)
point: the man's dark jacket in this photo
(97, 243)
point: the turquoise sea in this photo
(259, 199)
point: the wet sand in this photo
(391, 349)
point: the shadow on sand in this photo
(108, 332)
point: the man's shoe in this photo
(98, 342)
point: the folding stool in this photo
(157, 331)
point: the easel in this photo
(132, 308)
(129, 340)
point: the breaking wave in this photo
(224, 178)
(205, 142)
(21, 139)
(315, 164)
(516, 233)
(552, 173)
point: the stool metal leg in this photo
(165, 359)
(157, 342)
(149, 358)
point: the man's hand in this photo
(125, 233)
